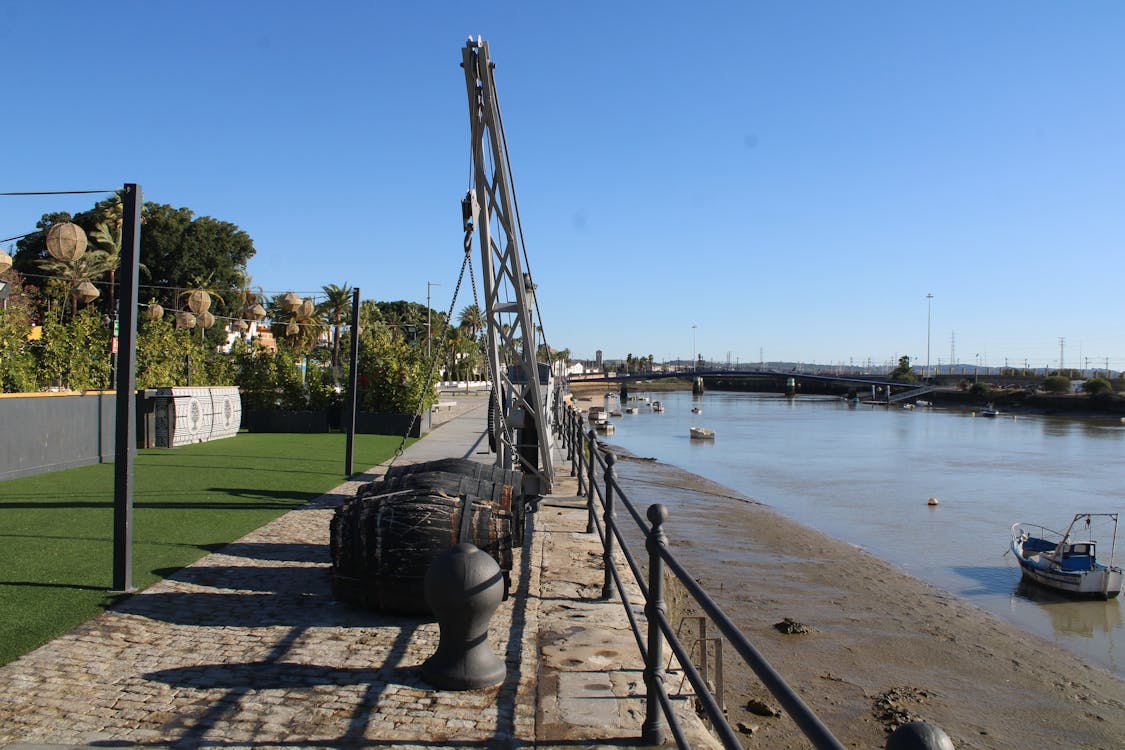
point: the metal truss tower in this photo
(520, 385)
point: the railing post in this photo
(570, 414)
(654, 727)
(573, 442)
(590, 482)
(580, 450)
(610, 525)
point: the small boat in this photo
(702, 433)
(631, 410)
(606, 428)
(696, 410)
(657, 406)
(597, 415)
(989, 411)
(1067, 562)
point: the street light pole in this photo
(929, 306)
(693, 359)
(429, 328)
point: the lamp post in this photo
(429, 329)
(929, 306)
(693, 359)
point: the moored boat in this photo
(597, 415)
(1067, 561)
(702, 433)
(657, 406)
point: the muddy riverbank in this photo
(881, 647)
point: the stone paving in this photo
(247, 648)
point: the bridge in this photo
(778, 381)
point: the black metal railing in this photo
(588, 463)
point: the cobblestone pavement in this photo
(247, 648)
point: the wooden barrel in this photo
(382, 544)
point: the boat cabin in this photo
(1078, 556)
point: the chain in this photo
(433, 360)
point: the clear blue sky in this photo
(791, 179)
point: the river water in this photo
(863, 474)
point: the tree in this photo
(75, 356)
(903, 371)
(176, 246)
(335, 309)
(1056, 384)
(17, 360)
(393, 372)
(68, 274)
(980, 389)
(307, 323)
(1097, 387)
(472, 320)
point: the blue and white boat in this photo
(1067, 562)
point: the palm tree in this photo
(307, 323)
(89, 266)
(472, 320)
(335, 309)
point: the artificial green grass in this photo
(56, 529)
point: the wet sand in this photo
(882, 647)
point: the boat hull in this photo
(1102, 582)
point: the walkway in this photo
(247, 648)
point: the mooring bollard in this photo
(463, 587)
(919, 735)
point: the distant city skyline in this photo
(769, 181)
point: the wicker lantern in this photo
(199, 301)
(238, 326)
(66, 241)
(290, 302)
(307, 308)
(185, 320)
(85, 292)
(206, 319)
(155, 311)
(256, 312)
(292, 329)
(5, 261)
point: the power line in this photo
(62, 192)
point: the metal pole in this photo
(581, 451)
(353, 382)
(607, 555)
(125, 444)
(590, 483)
(929, 305)
(654, 727)
(429, 328)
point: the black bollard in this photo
(919, 735)
(463, 588)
